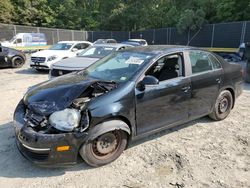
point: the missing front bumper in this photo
(41, 148)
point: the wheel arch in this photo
(232, 91)
(110, 124)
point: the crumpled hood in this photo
(74, 63)
(56, 94)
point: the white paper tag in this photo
(134, 60)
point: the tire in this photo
(98, 153)
(17, 62)
(222, 106)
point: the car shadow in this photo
(167, 131)
(246, 86)
(31, 71)
(14, 165)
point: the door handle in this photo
(185, 89)
(218, 80)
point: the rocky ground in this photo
(202, 153)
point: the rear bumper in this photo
(41, 149)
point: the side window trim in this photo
(214, 68)
(203, 72)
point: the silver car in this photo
(84, 59)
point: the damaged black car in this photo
(97, 112)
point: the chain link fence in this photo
(223, 35)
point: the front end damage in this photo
(49, 132)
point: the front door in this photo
(164, 104)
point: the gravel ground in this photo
(202, 153)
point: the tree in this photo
(122, 14)
(35, 13)
(6, 10)
(191, 20)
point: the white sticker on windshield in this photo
(123, 78)
(108, 48)
(134, 60)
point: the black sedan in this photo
(123, 97)
(11, 58)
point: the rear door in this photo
(206, 78)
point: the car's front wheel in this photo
(104, 149)
(222, 106)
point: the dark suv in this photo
(125, 96)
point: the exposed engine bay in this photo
(43, 117)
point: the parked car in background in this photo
(136, 42)
(104, 41)
(84, 59)
(26, 40)
(11, 58)
(242, 49)
(230, 57)
(124, 96)
(43, 60)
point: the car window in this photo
(119, 66)
(61, 46)
(97, 51)
(215, 63)
(167, 67)
(81, 46)
(18, 41)
(200, 62)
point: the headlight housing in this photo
(65, 120)
(51, 58)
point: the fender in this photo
(107, 126)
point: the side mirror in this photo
(147, 80)
(74, 50)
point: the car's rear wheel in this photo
(104, 149)
(17, 62)
(222, 106)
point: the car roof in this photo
(158, 49)
(74, 42)
(113, 45)
(137, 40)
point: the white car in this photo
(43, 60)
(142, 42)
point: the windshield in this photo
(61, 46)
(118, 67)
(97, 51)
(12, 40)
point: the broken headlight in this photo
(65, 120)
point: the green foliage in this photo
(6, 9)
(122, 14)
